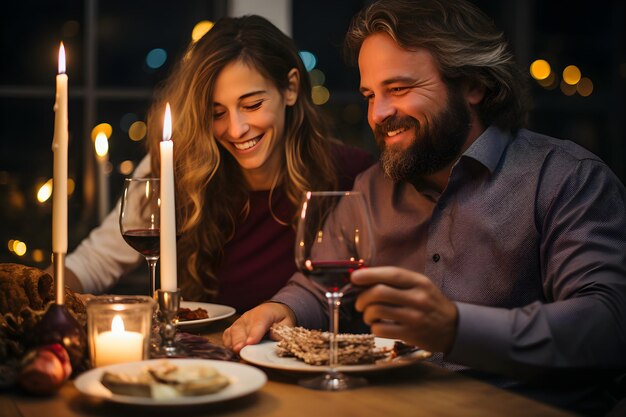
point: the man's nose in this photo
(381, 109)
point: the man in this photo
(500, 248)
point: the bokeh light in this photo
(37, 255)
(549, 83)
(137, 131)
(568, 89)
(540, 69)
(200, 29)
(156, 58)
(126, 167)
(105, 128)
(320, 94)
(317, 77)
(45, 191)
(101, 145)
(308, 59)
(571, 74)
(20, 248)
(71, 186)
(584, 87)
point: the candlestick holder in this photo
(169, 303)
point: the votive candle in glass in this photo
(119, 328)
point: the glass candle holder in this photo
(119, 328)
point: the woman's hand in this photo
(402, 304)
(250, 328)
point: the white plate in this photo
(244, 379)
(216, 312)
(264, 354)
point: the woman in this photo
(248, 141)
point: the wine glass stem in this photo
(152, 264)
(334, 301)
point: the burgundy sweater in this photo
(259, 259)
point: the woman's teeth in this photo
(396, 132)
(246, 145)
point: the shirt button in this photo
(436, 257)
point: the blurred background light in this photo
(37, 255)
(568, 89)
(549, 83)
(156, 58)
(19, 248)
(101, 145)
(126, 167)
(584, 87)
(200, 29)
(308, 59)
(571, 74)
(105, 128)
(137, 131)
(320, 94)
(71, 185)
(45, 191)
(317, 77)
(540, 69)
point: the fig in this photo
(59, 326)
(44, 369)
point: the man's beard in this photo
(435, 146)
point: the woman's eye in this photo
(254, 105)
(218, 114)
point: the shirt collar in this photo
(489, 147)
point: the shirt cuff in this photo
(305, 305)
(483, 338)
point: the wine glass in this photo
(140, 220)
(333, 238)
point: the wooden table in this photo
(417, 390)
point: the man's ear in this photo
(474, 93)
(291, 95)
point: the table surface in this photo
(417, 390)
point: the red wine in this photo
(332, 275)
(144, 241)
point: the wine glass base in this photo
(175, 351)
(333, 381)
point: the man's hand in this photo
(402, 304)
(250, 328)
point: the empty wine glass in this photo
(140, 220)
(333, 238)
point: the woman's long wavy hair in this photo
(465, 43)
(211, 194)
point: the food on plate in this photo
(311, 346)
(187, 314)
(165, 380)
(44, 369)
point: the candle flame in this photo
(62, 59)
(167, 123)
(117, 325)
